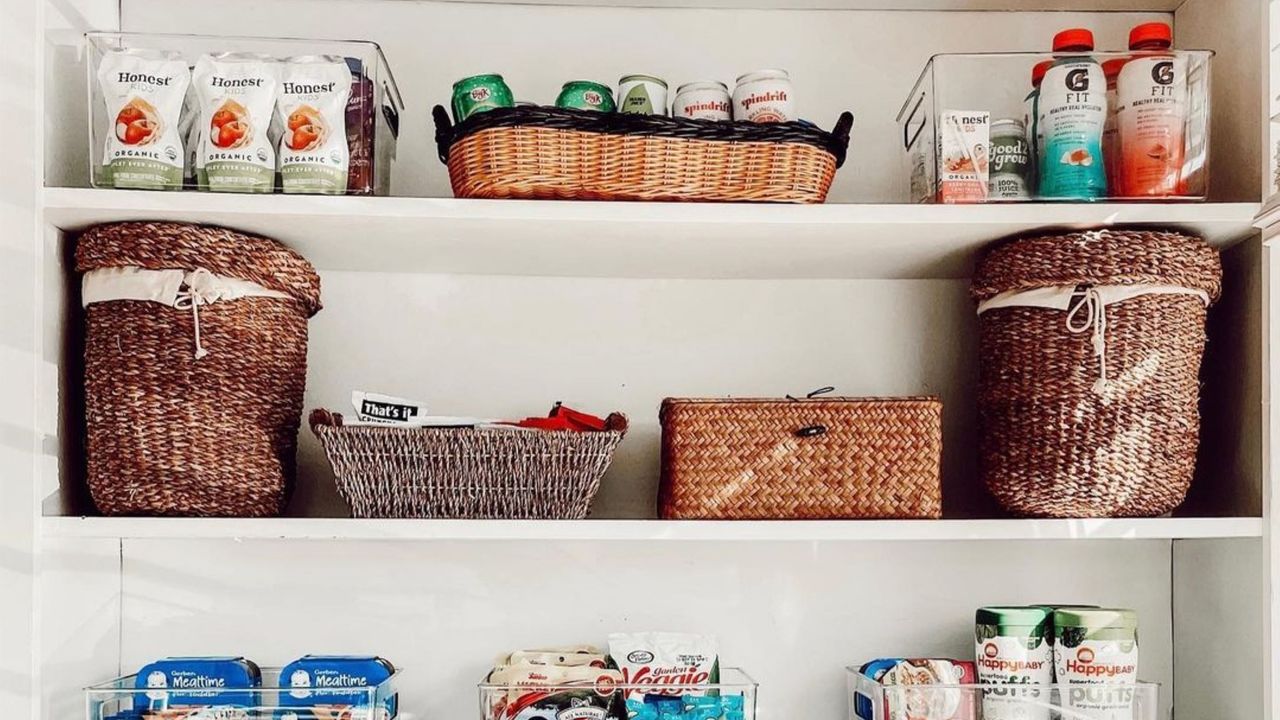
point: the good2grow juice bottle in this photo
(1073, 113)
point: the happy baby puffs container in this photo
(237, 114)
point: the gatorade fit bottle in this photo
(1073, 112)
(1152, 94)
(1031, 120)
(1111, 130)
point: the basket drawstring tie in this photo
(1095, 318)
(190, 295)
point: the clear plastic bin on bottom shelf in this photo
(871, 700)
(274, 699)
(733, 698)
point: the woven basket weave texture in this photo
(399, 472)
(822, 458)
(1055, 441)
(550, 153)
(168, 434)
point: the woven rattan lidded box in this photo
(818, 458)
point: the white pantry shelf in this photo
(600, 530)
(632, 240)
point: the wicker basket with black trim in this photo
(557, 153)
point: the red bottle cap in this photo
(1037, 72)
(1073, 39)
(1112, 68)
(1150, 35)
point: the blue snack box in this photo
(335, 680)
(874, 670)
(186, 681)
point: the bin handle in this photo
(907, 142)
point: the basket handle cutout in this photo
(841, 134)
(444, 132)
(811, 431)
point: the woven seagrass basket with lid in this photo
(1090, 348)
(195, 361)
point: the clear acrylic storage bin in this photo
(122, 699)
(871, 700)
(733, 698)
(371, 120)
(959, 127)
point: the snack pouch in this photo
(662, 658)
(552, 657)
(335, 686)
(314, 157)
(144, 92)
(197, 682)
(237, 94)
(929, 702)
(564, 693)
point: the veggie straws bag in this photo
(195, 360)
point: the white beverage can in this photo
(703, 100)
(642, 95)
(764, 96)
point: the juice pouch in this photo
(143, 91)
(314, 157)
(237, 93)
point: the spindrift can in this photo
(1012, 648)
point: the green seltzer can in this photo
(479, 93)
(586, 95)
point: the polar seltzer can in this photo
(703, 100)
(1096, 652)
(1012, 648)
(1009, 161)
(479, 93)
(764, 96)
(586, 95)
(642, 95)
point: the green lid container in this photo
(1013, 615)
(1013, 621)
(1072, 626)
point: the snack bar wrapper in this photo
(661, 659)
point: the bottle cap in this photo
(1152, 33)
(1037, 72)
(1073, 39)
(1111, 68)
